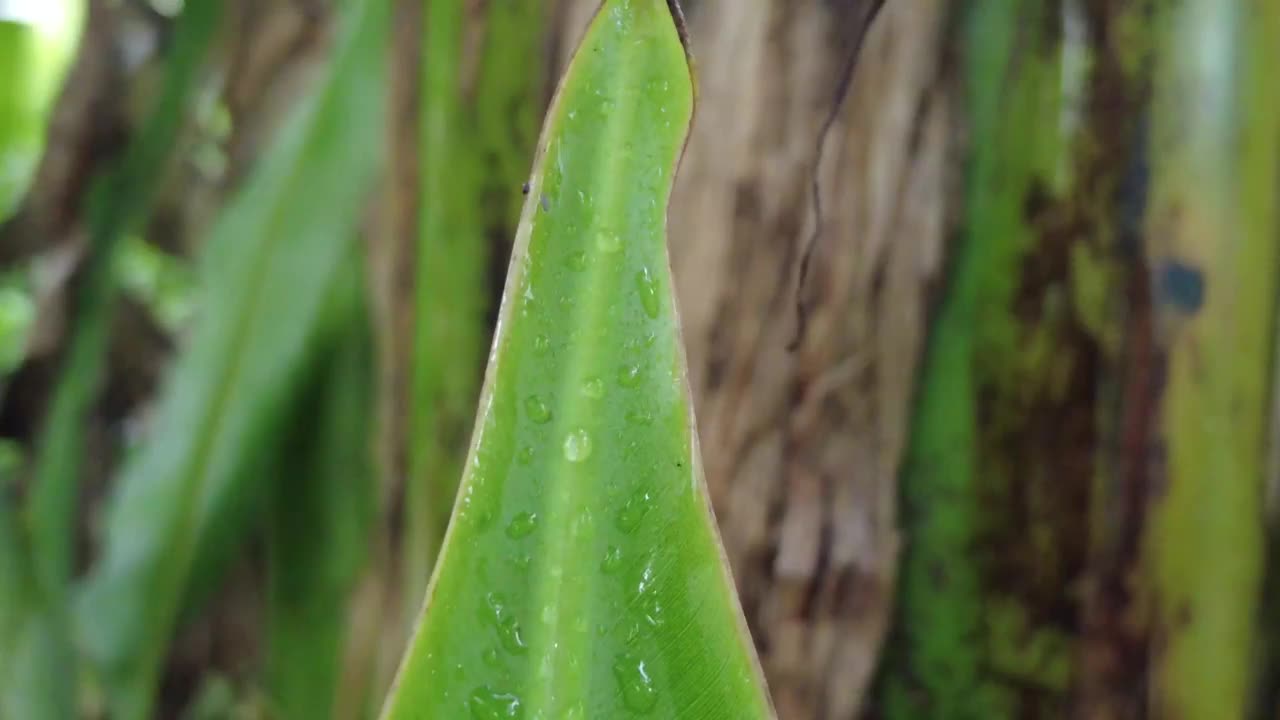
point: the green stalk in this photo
(1008, 475)
(1213, 247)
(958, 634)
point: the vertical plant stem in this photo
(1213, 244)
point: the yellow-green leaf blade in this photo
(582, 575)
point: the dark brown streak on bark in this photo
(841, 92)
(1116, 644)
(1117, 651)
(396, 250)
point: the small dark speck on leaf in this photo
(524, 189)
(546, 204)
(1182, 286)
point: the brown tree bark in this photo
(802, 447)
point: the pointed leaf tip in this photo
(582, 574)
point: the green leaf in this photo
(42, 681)
(119, 198)
(321, 516)
(450, 295)
(582, 575)
(17, 318)
(271, 260)
(38, 39)
(475, 145)
(160, 281)
(35, 659)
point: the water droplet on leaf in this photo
(612, 560)
(609, 242)
(633, 511)
(511, 637)
(487, 704)
(508, 627)
(522, 525)
(525, 455)
(581, 522)
(634, 684)
(629, 376)
(593, 388)
(577, 446)
(648, 292)
(537, 410)
(645, 584)
(653, 614)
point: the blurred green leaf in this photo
(38, 40)
(218, 698)
(476, 138)
(118, 200)
(17, 316)
(43, 666)
(269, 264)
(34, 657)
(321, 518)
(450, 297)
(36, 662)
(162, 282)
(582, 575)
